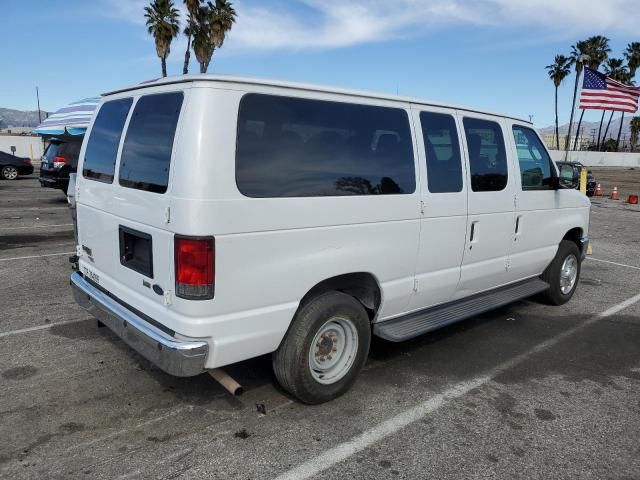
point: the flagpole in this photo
(580, 60)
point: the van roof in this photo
(207, 77)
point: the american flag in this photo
(600, 92)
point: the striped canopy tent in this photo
(71, 120)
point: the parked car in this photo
(570, 176)
(59, 160)
(221, 219)
(12, 166)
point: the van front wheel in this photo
(562, 274)
(325, 348)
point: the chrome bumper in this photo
(180, 358)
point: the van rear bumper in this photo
(181, 358)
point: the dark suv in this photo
(59, 160)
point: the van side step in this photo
(422, 321)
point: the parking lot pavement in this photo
(525, 391)
(627, 179)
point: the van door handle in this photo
(473, 231)
(517, 228)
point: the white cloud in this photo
(305, 24)
(342, 23)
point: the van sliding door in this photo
(444, 207)
(486, 262)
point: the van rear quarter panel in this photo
(271, 251)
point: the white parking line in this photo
(37, 226)
(613, 263)
(40, 327)
(391, 426)
(36, 256)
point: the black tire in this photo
(554, 295)
(291, 362)
(9, 172)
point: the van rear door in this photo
(124, 196)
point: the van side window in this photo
(295, 147)
(146, 153)
(487, 155)
(444, 169)
(102, 146)
(535, 163)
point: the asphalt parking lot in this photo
(527, 391)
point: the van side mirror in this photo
(554, 183)
(567, 178)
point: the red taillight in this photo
(59, 162)
(195, 267)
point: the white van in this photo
(224, 218)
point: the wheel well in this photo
(361, 285)
(574, 235)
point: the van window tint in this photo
(487, 155)
(293, 147)
(146, 153)
(535, 163)
(102, 146)
(444, 169)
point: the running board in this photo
(416, 323)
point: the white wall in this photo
(26, 146)
(599, 159)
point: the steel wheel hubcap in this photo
(11, 173)
(568, 274)
(333, 350)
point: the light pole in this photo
(39, 113)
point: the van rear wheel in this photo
(562, 274)
(325, 348)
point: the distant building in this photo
(11, 130)
(550, 141)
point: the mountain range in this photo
(588, 127)
(19, 118)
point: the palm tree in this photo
(617, 70)
(597, 49)
(213, 22)
(192, 14)
(634, 125)
(558, 71)
(224, 16)
(163, 22)
(627, 78)
(632, 54)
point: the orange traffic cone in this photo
(614, 194)
(598, 191)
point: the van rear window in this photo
(102, 146)
(295, 147)
(146, 153)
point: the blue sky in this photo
(488, 54)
